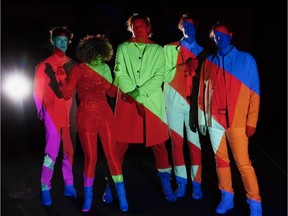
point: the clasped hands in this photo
(130, 97)
(61, 74)
(190, 66)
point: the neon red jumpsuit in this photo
(94, 116)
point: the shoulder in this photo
(42, 63)
(78, 66)
(175, 43)
(105, 68)
(172, 44)
(244, 54)
(124, 43)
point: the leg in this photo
(118, 176)
(72, 122)
(88, 141)
(67, 163)
(195, 160)
(51, 152)
(239, 147)
(114, 155)
(219, 144)
(176, 129)
(164, 169)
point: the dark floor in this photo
(22, 147)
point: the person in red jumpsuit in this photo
(229, 103)
(57, 113)
(92, 79)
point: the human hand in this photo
(191, 65)
(134, 94)
(41, 115)
(203, 129)
(61, 74)
(130, 97)
(112, 91)
(127, 98)
(250, 131)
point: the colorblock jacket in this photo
(141, 65)
(229, 90)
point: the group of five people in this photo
(159, 92)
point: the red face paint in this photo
(222, 29)
(189, 20)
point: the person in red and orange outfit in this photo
(57, 113)
(229, 103)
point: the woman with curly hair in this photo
(92, 79)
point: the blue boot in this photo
(46, 198)
(88, 198)
(227, 202)
(121, 194)
(70, 191)
(196, 191)
(107, 197)
(166, 186)
(255, 207)
(181, 189)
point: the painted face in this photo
(189, 29)
(140, 28)
(222, 37)
(61, 42)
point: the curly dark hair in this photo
(61, 30)
(92, 47)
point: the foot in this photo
(121, 194)
(227, 202)
(46, 198)
(181, 190)
(87, 205)
(197, 191)
(70, 191)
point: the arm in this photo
(39, 90)
(254, 107)
(53, 81)
(68, 86)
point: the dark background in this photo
(25, 41)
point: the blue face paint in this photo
(189, 30)
(223, 42)
(61, 42)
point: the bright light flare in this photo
(16, 86)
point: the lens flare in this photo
(17, 86)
